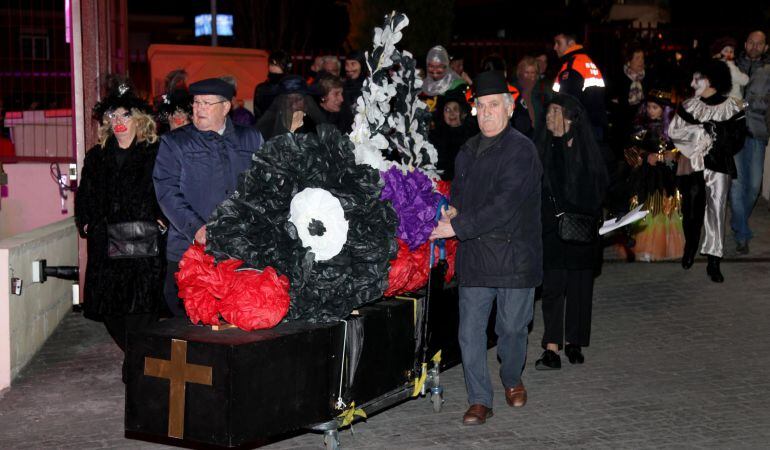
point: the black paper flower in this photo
(253, 224)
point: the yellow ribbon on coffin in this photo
(419, 382)
(350, 414)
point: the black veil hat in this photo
(579, 177)
(120, 94)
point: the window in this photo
(34, 46)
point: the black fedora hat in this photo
(489, 83)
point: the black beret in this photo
(491, 82)
(213, 86)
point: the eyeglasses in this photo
(115, 117)
(202, 104)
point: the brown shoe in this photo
(516, 396)
(477, 415)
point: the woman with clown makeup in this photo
(122, 289)
(708, 129)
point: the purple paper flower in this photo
(412, 196)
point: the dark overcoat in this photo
(195, 171)
(497, 194)
(110, 192)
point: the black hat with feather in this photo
(120, 94)
(176, 98)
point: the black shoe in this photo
(550, 360)
(574, 354)
(688, 258)
(742, 248)
(712, 269)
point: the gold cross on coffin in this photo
(179, 373)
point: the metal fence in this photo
(35, 81)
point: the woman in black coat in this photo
(574, 181)
(116, 187)
(453, 125)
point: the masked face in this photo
(699, 84)
(436, 70)
(122, 123)
(178, 119)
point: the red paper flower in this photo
(194, 269)
(256, 299)
(409, 271)
(248, 299)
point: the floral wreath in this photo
(262, 223)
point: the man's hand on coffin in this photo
(200, 235)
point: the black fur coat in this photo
(112, 191)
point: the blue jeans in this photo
(745, 188)
(514, 313)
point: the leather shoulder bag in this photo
(138, 239)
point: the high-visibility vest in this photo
(583, 65)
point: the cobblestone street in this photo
(675, 362)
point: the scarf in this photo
(635, 92)
(526, 94)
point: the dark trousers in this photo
(567, 302)
(171, 291)
(693, 190)
(120, 326)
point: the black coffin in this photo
(260, 384)
(388, 355)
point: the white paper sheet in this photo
(634, 215)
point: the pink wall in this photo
(33, 198)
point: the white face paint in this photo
(699, 84)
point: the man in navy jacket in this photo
(495, 214)
(197, 168)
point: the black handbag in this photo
(577, 228)
(574, 228)
(137, 239)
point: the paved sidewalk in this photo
(675, 362)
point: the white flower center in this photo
(320, 222)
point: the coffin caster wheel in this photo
(331, 440)
(437, 398)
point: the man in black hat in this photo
(197, 167)
(495, 214)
